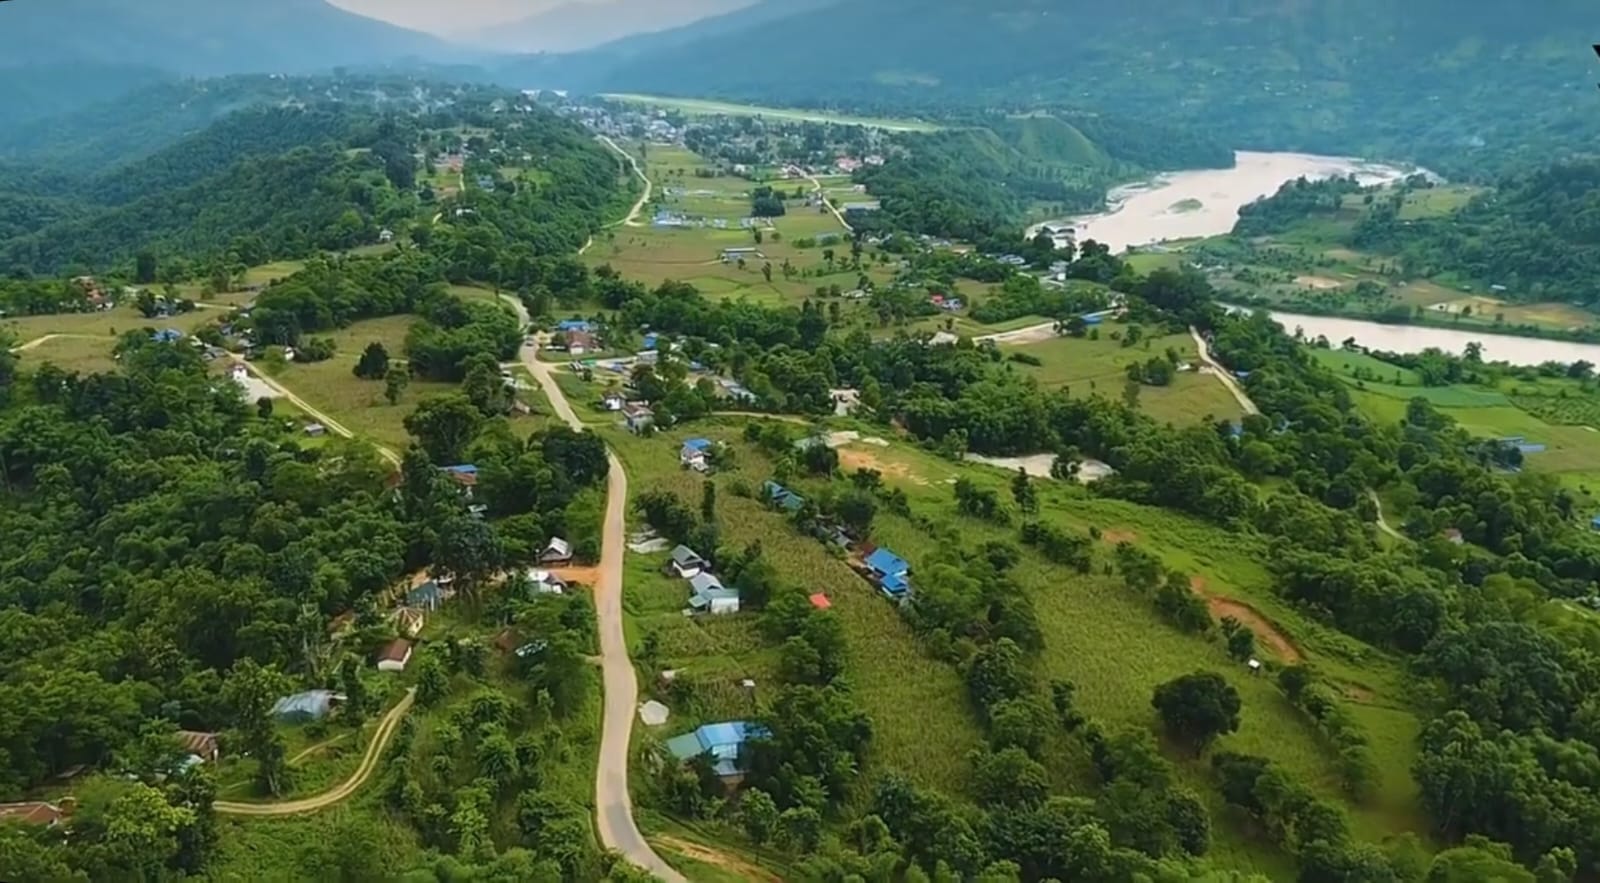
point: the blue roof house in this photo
(167, 335)
(782, 496)
(305, 707)
(575, 325)
(890, 571)
(723, 741)
(650, 341)
(1595, 523)
(429, 596)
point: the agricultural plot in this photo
(1087, 367)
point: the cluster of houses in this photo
(707, 594)
(578, 337)
(948, 304)
(724, 743)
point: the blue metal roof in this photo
(574, 325)
(698, 444)
(895, 585)
(464, 470)
(428, 592)
(886, 562)
(310, 704)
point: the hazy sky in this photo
(448, 16)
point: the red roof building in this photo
(820, 601)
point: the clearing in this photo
(1265, 631)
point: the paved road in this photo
(338, 794)
(613, 804)
(632, 220)
(333, 425)
(1222, 373)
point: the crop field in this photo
(1088, 367)
(700, 107)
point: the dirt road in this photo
(340, 793)
(613, 804)
(333, 425)
(1222, 373)
(632, 220)
(41, 341)
(1384, 525)
(817, 185)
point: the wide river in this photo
(1206, 202)
(1416, 338)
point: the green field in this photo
(1106, 639)
(1089, 367)
(700, 107)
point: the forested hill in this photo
(288, 178)
(205, 37)
(1535, 235)
(1456, 85)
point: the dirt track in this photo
(1249, 617)
(341, 792)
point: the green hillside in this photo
(1049, 139)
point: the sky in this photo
(448, 16)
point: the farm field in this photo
(1089, 367)
(1102, 636)
(701, 107)
(109, 324)
(1561, 414)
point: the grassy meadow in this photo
(1088, 367)
(1099, 634)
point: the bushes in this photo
(1322, 704)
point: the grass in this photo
(922, 723)
(109, 324)
(1099, 634)
(85, 355)
(1086, 367)
(700, 107)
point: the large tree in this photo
(1197, 708)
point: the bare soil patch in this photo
(1266, 632)
(1119, 536)
(1318, 282)
(851, 459)
(730, 863)
(583, 576)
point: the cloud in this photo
(447, 16)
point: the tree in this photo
(251, 690)
(395, 381)
(708, 501)
(766, 269)
(1241, 640)
(443, 425)
(1022, 490)
(1009, 777)
(759, 816)
(374, 362)
(1197, 708)
(144, 268)
(484, 387)
(433, 682)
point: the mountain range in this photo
(585, 24)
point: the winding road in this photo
(613, 804)
(1222, 373)
(632, 220)
(333, 425)
(1384, 525)
(369, 764)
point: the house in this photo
(709, 595)
(650, 341)
(736, 391)
(820, 601)
(734, 255)
(687, 563)
(35, 812)
(198, 744)
(1454, 536)
(1594, 524)
(385, 235)
(858, 208)
(890, 572)
(304, 707)
(543, 582)
(167, 335)
(429, 596)
(613, 402)
(394, 655)
(581, 342)
(409, 620)
(557, 551)
(316, 430)
(464, 475)
(782, 497)
(723, 741)
(567, 326)
(694, 454)
(638, 416)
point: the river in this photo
(1206, 202)
(1416, 338)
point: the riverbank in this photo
(1589, 334)
(1407, 338)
